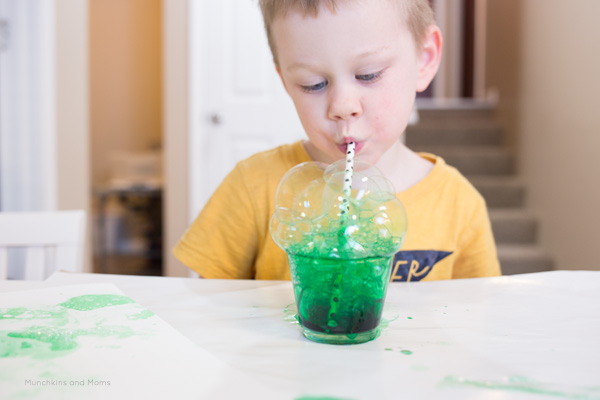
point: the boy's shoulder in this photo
(273, 160)
(450, 181)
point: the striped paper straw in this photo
(348, 179)
(336, 292)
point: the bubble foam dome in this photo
(313, 217)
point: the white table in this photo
(516, 337)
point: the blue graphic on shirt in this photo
(416, 264)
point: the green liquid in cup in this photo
(339, 300)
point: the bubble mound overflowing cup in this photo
(340, 244)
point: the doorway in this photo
(126, 135)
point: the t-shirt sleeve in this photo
(222, 241)
(476, 255)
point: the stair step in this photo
(515, 259)
(500, 191)
(474, 160)
(463, 133)
(454, 109)
(513, 226)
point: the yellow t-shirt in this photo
(449, 234)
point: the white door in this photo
(238, 105)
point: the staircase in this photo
(465, 135)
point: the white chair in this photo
(53, 240)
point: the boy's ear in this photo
(430, 57)
(280, 76)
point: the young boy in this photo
(352, 69)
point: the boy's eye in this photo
(368, 77)
(314, 88)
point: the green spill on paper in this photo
(54, 315)
(45, 342)
(94, 301)
(525, 385)
(50, 335)
(141, 315)
(290, 314)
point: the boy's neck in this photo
(403, 167)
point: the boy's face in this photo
(352, 76)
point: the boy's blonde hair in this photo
(418, 15)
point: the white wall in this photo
(558, 130)
(175, 128)
(72, 114)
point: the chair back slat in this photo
(3, 263)
(53, 240)
(42, 228)
(67, 258)
(35, 269)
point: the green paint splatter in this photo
(525, 385)
(94, 301)
(142, 315)
(387, 349)
(409, 317)
(407, 352)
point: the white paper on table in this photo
(49, 350)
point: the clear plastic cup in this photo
(340, 247)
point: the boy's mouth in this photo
(344, 146)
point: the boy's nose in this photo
(344, 104)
